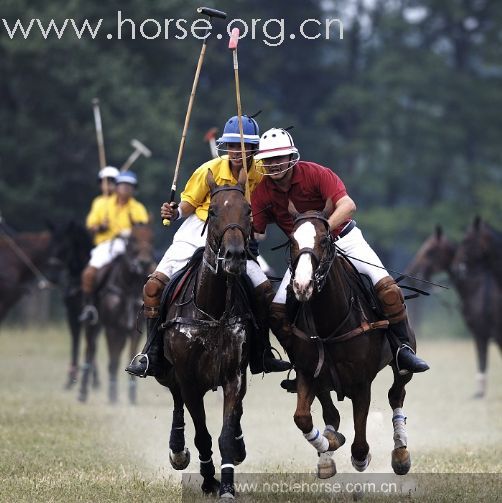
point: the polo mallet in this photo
(210, 13)
(232, 45)
(99, 133)
(139, 149)
(210, 137)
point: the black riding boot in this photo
(150, 361)
(261, 358)
(406, 359)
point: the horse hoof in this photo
(401, 461)
(226, 497)
(360, 466)
(180, 460)
(210, 486)
(335, 439)
(326, 466)
(227, 492)
(478, 395)
(82, 397)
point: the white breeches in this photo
(352, 244)
(106, 251)
(186, 240)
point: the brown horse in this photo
(119, 300)
(70, 248)
(18, 255)
(341, 342)
(206, 336)
(471, 273)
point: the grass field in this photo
(53, 448)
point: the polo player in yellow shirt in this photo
(192, 234)
(110, 220)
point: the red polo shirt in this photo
(311, 186)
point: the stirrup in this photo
(144, 374)
(402, 372)
(89, 315)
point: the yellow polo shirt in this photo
(119, 218)
(196, 190)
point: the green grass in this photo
(54, 449)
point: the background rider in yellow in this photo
(111, 218)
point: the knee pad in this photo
(152, 291)
(391, 298)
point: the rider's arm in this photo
(344, 209)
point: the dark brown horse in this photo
(206, 337)
(21, 257)
(471, 273)
(340, 342)
(119, 300)
(70, 248)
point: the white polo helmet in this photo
(276, 142)
(108, 172)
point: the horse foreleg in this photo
(91, 334)
(481, 342)
(233, 394)
(360, 405)
(401, 461)
(116, 342)
(133, 382)
(326, 466)
(194, 402)
(179, 455)
(73, 305)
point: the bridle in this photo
(323, 263)
(216, 256)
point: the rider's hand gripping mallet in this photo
(210, 13)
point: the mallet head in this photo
(207, 11)
(137, 145)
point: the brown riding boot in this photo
(392, 302)
(89, 311)
(261, 358)
(150, 360)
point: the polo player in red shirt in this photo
(309, 185)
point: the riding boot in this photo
(89, 314)
(261, 358)
(399, 333)
(281, 328)
(151, 361)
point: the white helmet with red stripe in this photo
(276, 142)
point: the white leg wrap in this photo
(399, 423)
(480, 383)
(320, 442)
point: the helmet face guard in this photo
(293, 160)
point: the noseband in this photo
(217, 254)
(324, 262)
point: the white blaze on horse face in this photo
(302, 284)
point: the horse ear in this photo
(210, 180)
(438, 232)
(243, 178)
(328, 208)
(292, 210)
(476, 224)
(150, 217)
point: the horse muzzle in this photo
(234, 260)
(303, 291)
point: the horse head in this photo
(435, 255)
(138, 256)
(312, 250)
(229, 224)
(69, 250)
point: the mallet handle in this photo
(99, 133)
